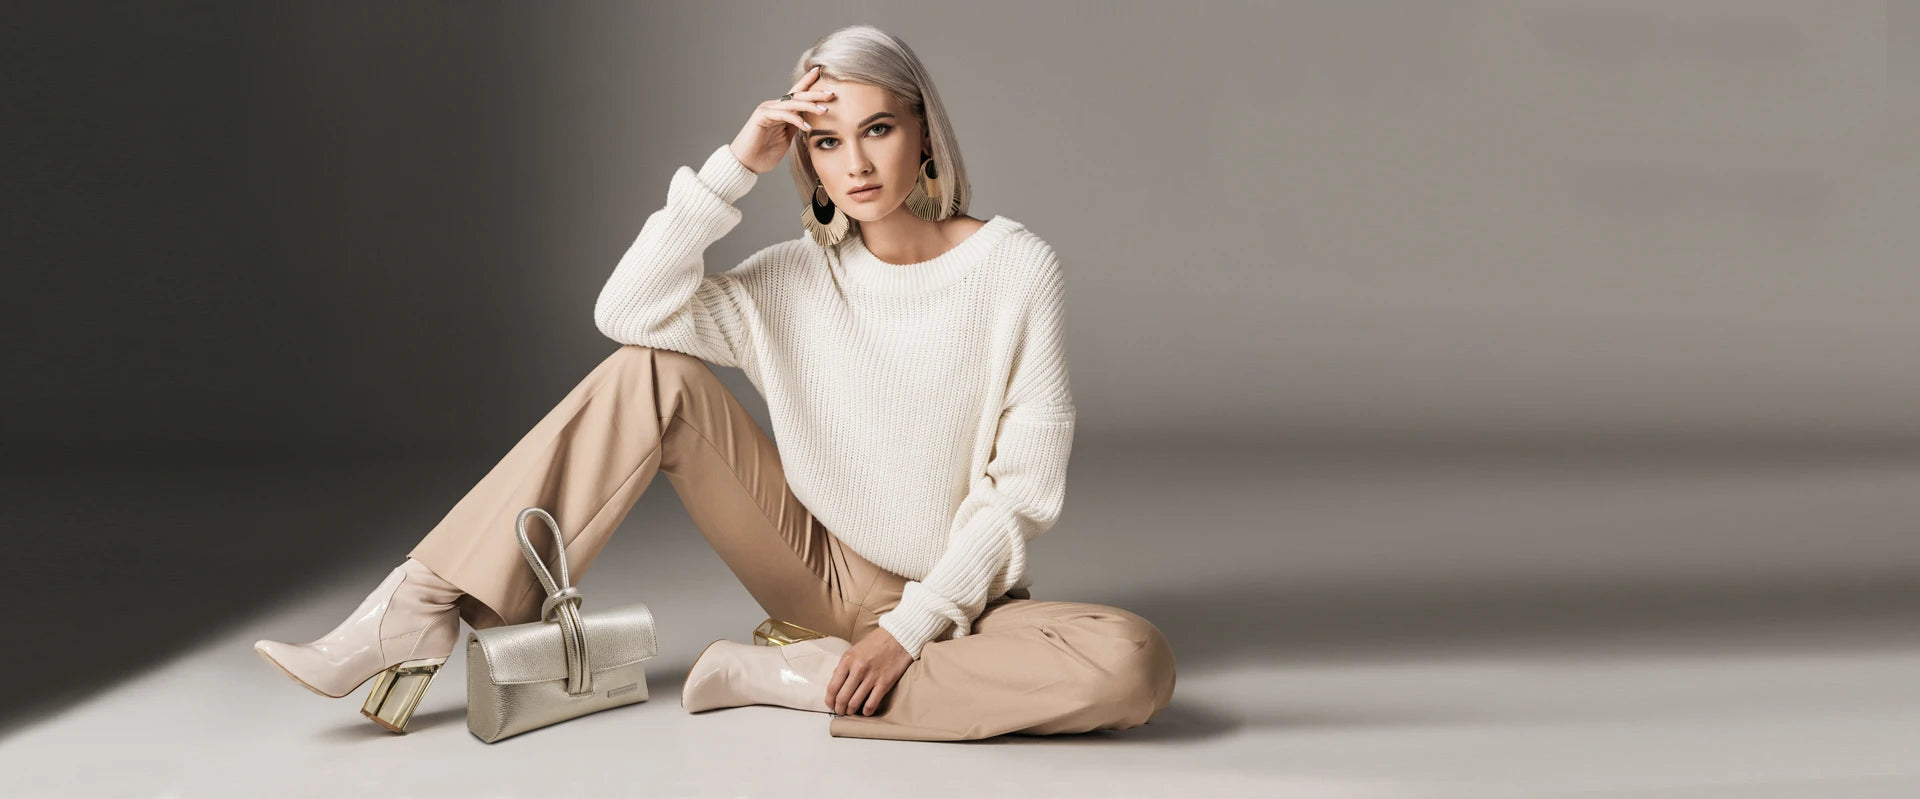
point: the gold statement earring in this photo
(924, 198)
(827, 223)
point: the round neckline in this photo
(866, 270)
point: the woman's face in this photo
(864, 138)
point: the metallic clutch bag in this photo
(523, 677)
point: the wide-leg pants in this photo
(1028, 666)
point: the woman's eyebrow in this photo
(863, 123)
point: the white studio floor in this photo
(1287, 686)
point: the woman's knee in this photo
(661, 366)
(1151, 666)
(1137, 683)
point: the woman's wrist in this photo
(726, 175)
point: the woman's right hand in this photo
(770, 131)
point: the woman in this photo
(914, 363)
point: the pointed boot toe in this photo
(709, 684)
(281, 654)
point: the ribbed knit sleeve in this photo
(1020, 494)
(659, 294)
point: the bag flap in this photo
(534, 652)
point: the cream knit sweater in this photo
(922, 411)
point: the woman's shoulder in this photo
(961, 227)
(1028, 250)
(793, 255)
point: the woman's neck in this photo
(902, 238)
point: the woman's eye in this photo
(821, 143)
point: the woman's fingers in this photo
(839, 678)
(807, 79)
(859, 698)
(844, 701)
(769, 132)
(803, 100)
(773, 110)
(798, 105)
(791, 117)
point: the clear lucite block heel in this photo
(775, 632)
(397, 691)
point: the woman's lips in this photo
(865, 194)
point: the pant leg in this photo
(1029, 666)
(1032, 667)
(641, 412)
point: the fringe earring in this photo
(924, 198)
(827, 223)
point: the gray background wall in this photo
(1306, 242)
(1364, 219)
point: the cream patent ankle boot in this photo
(401, 633)
(730, 674)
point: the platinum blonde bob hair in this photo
(866, 54)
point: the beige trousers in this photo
(1029, 666)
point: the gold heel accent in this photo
(397, 691)
(774, 632)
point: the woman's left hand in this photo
(866, 672)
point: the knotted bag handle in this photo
(562, 603)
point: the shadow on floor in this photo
(134, 566)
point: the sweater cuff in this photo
(726, 175)
(919, 618)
